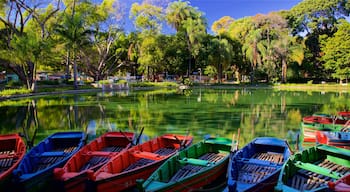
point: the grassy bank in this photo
(313, 87)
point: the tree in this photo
(312, 19)
(222, 25)
(147, 17)
(75, 35)
(25, 22)
(336, 52)
(189, 22)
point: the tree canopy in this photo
(88, 37)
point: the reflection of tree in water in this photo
(27, 118)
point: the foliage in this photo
(7, 92)
(210, 71)
(337, 52)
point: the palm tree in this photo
(73, 31)
(288, 49)
(189, 21)
(251, 48)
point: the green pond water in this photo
(197, 112)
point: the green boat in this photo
(192, 168)
(312, 169)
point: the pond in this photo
(198, 112)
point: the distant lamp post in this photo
(5, 77)
(200, 74)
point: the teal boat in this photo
(192, 168)
(312, 169)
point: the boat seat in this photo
(256, 161)
(193, 161)
(8, 156)
(147, 155)
(99, 153)
(318, 169)
(52, 154)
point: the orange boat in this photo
(12, 151)
(138, 162)
(72, 176)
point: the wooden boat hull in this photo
(312, 168)
(309, 130)
(337, 139)
(192, 168)
(12, 151)
(256, 166)
(138, 162)
(72, 176)
(37, 165)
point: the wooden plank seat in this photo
(165, 151)
(318, 169)
(269, 156)
(307, 181)
(194, 165)
(113, 149)
(6, 163)
(335, 167)
(138, 163)
(252, 173)
(8, 154)
(46, 161)
(95, 160)
(68, 149)
(185, 171)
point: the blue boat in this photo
(37, 165)
(257, 165)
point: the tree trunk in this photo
(75, 70)
(284, 70)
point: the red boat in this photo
(344, 114)
(324, 119)
(138, 162)
(72, 176)
(323, 122)
(337, 139)
(343, 184)
(12, 151)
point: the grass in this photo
(154, 84)
(20, 91)
(313, 87)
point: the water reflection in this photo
(258, 112)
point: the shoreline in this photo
(296, 87)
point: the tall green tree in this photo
(313, 19)
(73, 30)
(190, 22)
(336, 52)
